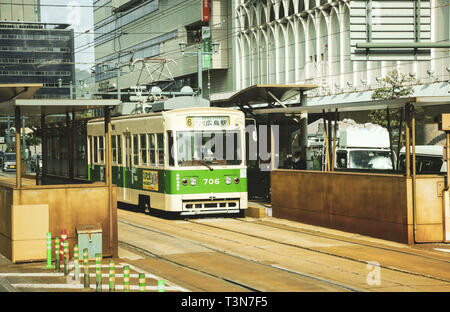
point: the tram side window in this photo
(119, 149)
(49, 148)
(160, 146)
(101, 149)
(171, 150)
(135, 150)
(151, 149)
(57, 148)
(114, 148)
(95, 149)
(143, 147)
(89, 142)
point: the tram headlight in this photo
(185, 182)
(236, 180)
(228, 180)
(193, 181)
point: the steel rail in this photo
(326, 253)
(235, 256)
(317, 234)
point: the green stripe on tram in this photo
(171, 181)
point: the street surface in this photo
(225, 254)
(273, 255)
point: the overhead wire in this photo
(235, 30)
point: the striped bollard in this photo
(76, 262)
(63, 239)
(57, 246)
(98, 272)
(49, 252)
(141, 282)
(66, 257)
(86, 267)
(161, 286)
(126, 278)
(112, 276)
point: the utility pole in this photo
(200, 53)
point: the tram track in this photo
(181, 265)
(340, 239)
(331, 253)
(286, 243)
(240, 257)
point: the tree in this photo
(393, 87)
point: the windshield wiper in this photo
(206, 165)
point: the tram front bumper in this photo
(212, 204)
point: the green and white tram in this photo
(189, 161)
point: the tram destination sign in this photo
(207, 121)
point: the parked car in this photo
(428, 159)
(36, 160)
(9, 162)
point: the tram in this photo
(186, 161)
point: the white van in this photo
(428, 159)
(9, 162)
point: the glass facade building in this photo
(33, 52)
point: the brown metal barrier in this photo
(377, 205)
(27, 214)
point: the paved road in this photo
(248, 255)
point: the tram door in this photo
(127, 174)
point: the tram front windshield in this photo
(196, 148)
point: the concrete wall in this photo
(67, 206)
(370, 204)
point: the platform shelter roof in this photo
(263, 93)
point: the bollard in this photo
(141, 282)
(86, 268)
(66, 257)
(112, 276)
(161, 286)
(63, 239)
(49, 252)
(98, 272)
(76, 263)
(126, 278)
(57, 246)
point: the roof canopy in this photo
(12, 95)
(10, 92)
(54, 107)
(258, 94)
(358, 106)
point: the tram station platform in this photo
(32, 277)
(28, 213)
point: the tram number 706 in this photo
(211, 181)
